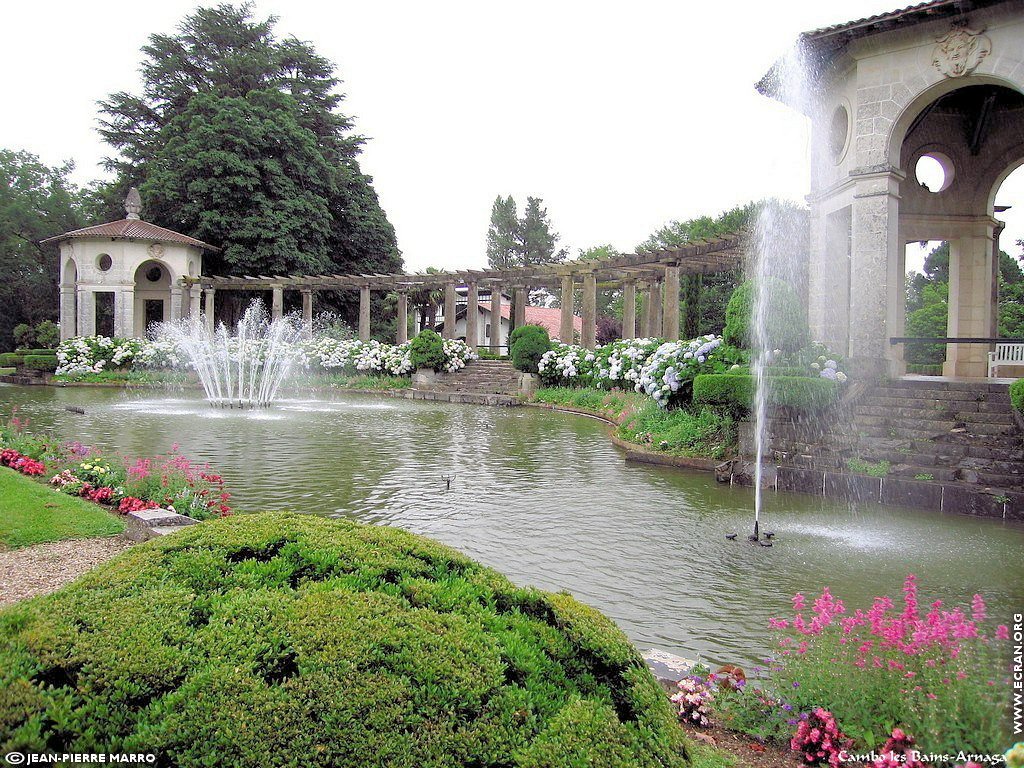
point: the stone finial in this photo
(133, 203)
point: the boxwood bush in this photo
(11, 359)
(41, 362)
(787, 327)
(527, 345)
(285, 639)
(1017, 395)
(426, 350)
(805, 393)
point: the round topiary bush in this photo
(426, 350)
(285, 639)
(787, 327)
(527, 345)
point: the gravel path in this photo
(45, 568)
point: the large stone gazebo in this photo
(942, 80)
(137, 267)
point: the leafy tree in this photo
(704, 297)
(929, 321)
(237, 139)
(36, 202)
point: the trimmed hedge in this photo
(41, 362)
(805, 393)
(11, 359)
(1017, 395)
(36, 351)
(426, 350)
(527, 345)
(280, 639)
(787, 327)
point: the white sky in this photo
(620, 115)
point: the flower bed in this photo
(171, 481)
(889, 679)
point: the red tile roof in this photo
(133, 229)
(549, 318)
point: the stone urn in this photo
(424, 378)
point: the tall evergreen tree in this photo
(537, 241)
(237, 139)
(503, 234)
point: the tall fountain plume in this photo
(243, 368)
(777, 263)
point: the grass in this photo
(6, 371)
(31, 513)
(703, 431)
(373, 382)
(128, 378)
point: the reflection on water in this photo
(546, 499)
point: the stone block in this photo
(801, 480)
(860, 488)
(911, 493)
(969, 501)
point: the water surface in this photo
(548, 500)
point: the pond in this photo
(546, 499)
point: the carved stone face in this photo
(960, 51)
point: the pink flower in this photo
(1002, 633)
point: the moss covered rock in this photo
(284, 639)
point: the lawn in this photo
(31, 513)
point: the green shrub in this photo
(805, 393)
(47, 334)
(41, 362)
(527, 345)
(24, 335)
(1017, 395)
(276, 639)
(787, 327)
(925, 369)
(426, 350)
(11, 359)
(695, 430)
(37, 351)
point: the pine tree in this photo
(503, 234)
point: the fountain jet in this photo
(244, 368)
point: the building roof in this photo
(821, 46)
(132, 229)
(549, 318)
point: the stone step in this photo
(997, 452)
(997, 466)
(991, 479)
(961, 406)
(919, 395)
(943, 384)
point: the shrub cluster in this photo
(736, 390)
(1017, 395)
(527, 345)
(259, 638)
(45, 334)
(93, 354)
(786, 326)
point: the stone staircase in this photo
(483, 376)
(960, 432)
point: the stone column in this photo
(671, 302)
(208, 298)
(874, 248)
(629, 309)
(565, 320)
(86, 312)
(68, 320)
(521, 298)
(496, 318)
(174, 311)
(472, 316)
(124, 312)
(589, 334)
(655, 295)
(277, 303)
(364, 313)
(645, 312)
(402, 321)
(195, 302)
(307, 312)
(186, 299)
(970, 304)
(449, 311)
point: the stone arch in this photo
(1015, 159)
(153, 297)
(912, 104)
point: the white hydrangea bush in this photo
(668, 374)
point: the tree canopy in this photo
(36, 202)
(514, 241)
(237, 139)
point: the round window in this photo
(934, 171)
(153, 274)
(104, 262)
(838, 131)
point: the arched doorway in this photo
(956, 149)
(152, 295)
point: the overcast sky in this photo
(621, 116)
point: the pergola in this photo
(655, 275)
